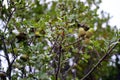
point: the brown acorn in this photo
(79, 25)
(21, 37)
(3, 75)
(24, 57)
(86, 41)
(42, 31)
(32, 30)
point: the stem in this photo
(6, 56)
(5, 50)
(54, 44)
(59, 62)
(58, 68)
(76, 42)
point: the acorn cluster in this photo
(23, 36)
(85, 34)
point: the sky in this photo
(112, 7)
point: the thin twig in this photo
(10, 16)
(73, 42)
(98, 63)
(71, 67)
(2, 55)
(54, 45)
(13, 54)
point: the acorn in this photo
(83, 26)
(37, 34)
(15, 65)
(30, 75)
(81, 32)
(3, 75)
(61, 32)
(32, 30)
(89, 33)
(21, 37)
(24, 57)
(86, 41)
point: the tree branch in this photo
(5, 50)
(10, 16)
(53, 45)
(110, 49)
(59, 63)
(2, 56)
(73, 42)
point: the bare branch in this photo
(110, 49)
(5, 50)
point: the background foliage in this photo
(56, 40)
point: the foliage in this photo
(56, 40)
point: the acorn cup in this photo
(83, 26)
